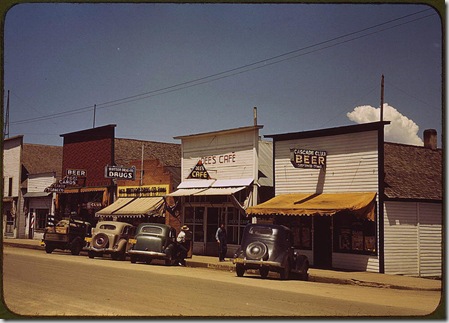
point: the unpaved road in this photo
(59, 284)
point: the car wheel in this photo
(49, 248)
(133, 259)
(240, 270)
(76, 248)
(285, 272)
(263, 271)
(100, 241)
(257, 250)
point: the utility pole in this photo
(6, 128)
(95, 110)
(141, 167)
(382, 99)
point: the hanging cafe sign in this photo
(199, 171)
(307, 158)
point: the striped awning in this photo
(361, 204)
(133, 207)
(206, 191)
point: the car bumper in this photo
(254, 264)
(101, 250)
(149, 254)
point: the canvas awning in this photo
(361, 204)
(206, 191)
(117, 205)
(133, 207)
(36, 194)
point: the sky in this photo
(158, 71)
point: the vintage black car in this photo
(154, 241)
(269, 247)
(67, 234)
(110, 237)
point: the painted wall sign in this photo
(120, 172)
(143, 191)
(199, 171)
(307, 158)
(219, 159)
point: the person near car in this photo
(182, 245)
(220, 236)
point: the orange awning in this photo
(299, 204)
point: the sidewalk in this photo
(315, 275)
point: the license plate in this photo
(88, 239)
(238, 260)
(132, 241)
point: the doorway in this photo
(322, 242)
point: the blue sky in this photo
(163, 70)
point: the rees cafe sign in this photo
(307, 158)
(199, 171)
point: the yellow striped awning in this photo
(299, 204)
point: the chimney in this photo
(430, 139)
(255, 115)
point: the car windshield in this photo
(107, 227)
(264, 231)
(151, 230)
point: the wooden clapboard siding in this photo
(352, 165)
(401, 238)
(430, 239)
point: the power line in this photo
(238, 70)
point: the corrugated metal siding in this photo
(352, 165)
(430, 239)
(401, 238)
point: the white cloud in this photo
(400, 130)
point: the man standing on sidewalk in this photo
(220, 235)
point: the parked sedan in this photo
(269, 247)
(110, 237)
(154, 241)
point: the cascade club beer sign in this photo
(199, 171)
(307, 158)
(120, 172)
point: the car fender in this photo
(121, 245)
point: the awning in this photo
(134, 207)
(83, 190)
(37, 194)
(361, 204)
(206, 191)
(117, 205)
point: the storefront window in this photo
(193, 218)
(354, 235)
(301, 227)
(236, 224)
(41, 219)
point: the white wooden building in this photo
(222, 173)
(355, 202)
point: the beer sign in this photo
(307, 158)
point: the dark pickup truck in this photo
(67, 234)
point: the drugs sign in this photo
(306, 158)
(120, 172)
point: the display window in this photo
(353, 234)
(301, 227)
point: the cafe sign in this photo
(199, 171)
(307, 158)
